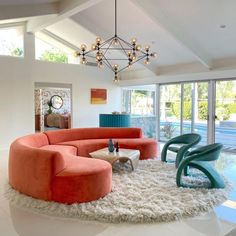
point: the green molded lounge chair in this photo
(199, 159)
(184, 142)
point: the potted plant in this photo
(49, 107)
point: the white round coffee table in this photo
(123, 156)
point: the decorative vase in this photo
(117, 147)
(110, 146)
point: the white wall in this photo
(17, 78)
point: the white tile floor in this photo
(15, 221)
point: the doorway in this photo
(52, 106)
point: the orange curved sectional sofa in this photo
(54, 166)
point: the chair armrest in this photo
(165, 148)
(183, 151)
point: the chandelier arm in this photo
(107, 65)
(115, 59)
(90, 56)
(116, 49)
(132, 64)
(127, 43)
(122, 69)
(107, 41)
(143, 52)
(107, 48)
(123, 49)
(110, 66)
(130, 45)
(86, 53)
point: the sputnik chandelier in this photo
(107, 52)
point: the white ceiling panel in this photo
(201, 20)
(24, 2)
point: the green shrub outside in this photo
(175, 108)
(203, 107)
(223, 112)
(202, 110)
(232, 108)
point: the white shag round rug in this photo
(148, 194)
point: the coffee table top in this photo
(104, 154)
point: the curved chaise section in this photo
(56, 176)
(83, 180)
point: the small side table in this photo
(123, 156)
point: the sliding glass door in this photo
(205, 107)
(225, 113)
(184, 109)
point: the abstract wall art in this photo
(98, 96)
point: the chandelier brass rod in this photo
(107, 47)
(107, 41)
(108, 63)
(123, 49)
(117, 48)
(129, 44)
(114, 59)
(115, 18)
(128, 65)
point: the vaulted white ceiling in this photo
(21, 2)
(181, 32)
(133, 22)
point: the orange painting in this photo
(98, 96)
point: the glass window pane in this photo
(46, 52)
(170, 108)
(201, 110)
(140, 102)
(187, 108)
(225, 123)
(11, 42)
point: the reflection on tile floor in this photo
(16, 221)
(227, 166)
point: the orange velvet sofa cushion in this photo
(83, 180)
(61, 148)
(146, 146)
(84, 147)
(59, 136)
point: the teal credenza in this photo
(114, 120)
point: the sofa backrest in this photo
(34, 140)
(31, 169)
(59, 136)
